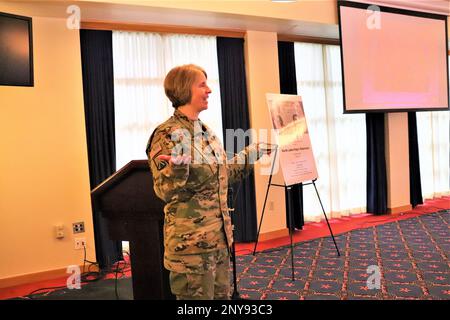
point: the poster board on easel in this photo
(291, 131)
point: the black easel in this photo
(288, 190)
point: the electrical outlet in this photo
(59, 231)
(271, 205)
(78, 227)
(80, 243)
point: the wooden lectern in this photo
(134, 213)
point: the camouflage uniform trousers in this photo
(212, 283)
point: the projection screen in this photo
(392, 59)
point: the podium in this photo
(134, 213)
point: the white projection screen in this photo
(392, 59)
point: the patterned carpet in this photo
(411, 256)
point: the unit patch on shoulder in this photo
(160, 164)
(155, 151)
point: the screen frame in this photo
(352, 4)
(29, 21)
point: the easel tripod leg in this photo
(265, 201)
(262, 216)
(329, 227)
(289, 190)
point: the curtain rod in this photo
(122, 26)
(109, 25)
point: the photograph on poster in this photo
(295, 150)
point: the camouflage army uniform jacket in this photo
(196, 220)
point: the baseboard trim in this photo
(38, 276)
(399, 209)
(274, 234)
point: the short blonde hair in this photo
(178, 83)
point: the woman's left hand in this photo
(267, 148)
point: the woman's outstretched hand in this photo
(267, 148)
(178, 160)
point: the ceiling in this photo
(146, 14)
(216, 20)
(432, 6)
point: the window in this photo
(433, 134)
(338, 140)
(141, 61)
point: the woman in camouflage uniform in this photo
(191, 174)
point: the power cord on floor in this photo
(89, 276)
(123, 270)
(85, 276)
(115, 283)
(83, 279)
(29, 296)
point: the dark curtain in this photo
(415, 188)
(233, 94)
(288, 85)
(376, 164)
(98, 90)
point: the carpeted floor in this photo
(99, 290)
(412, 257)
